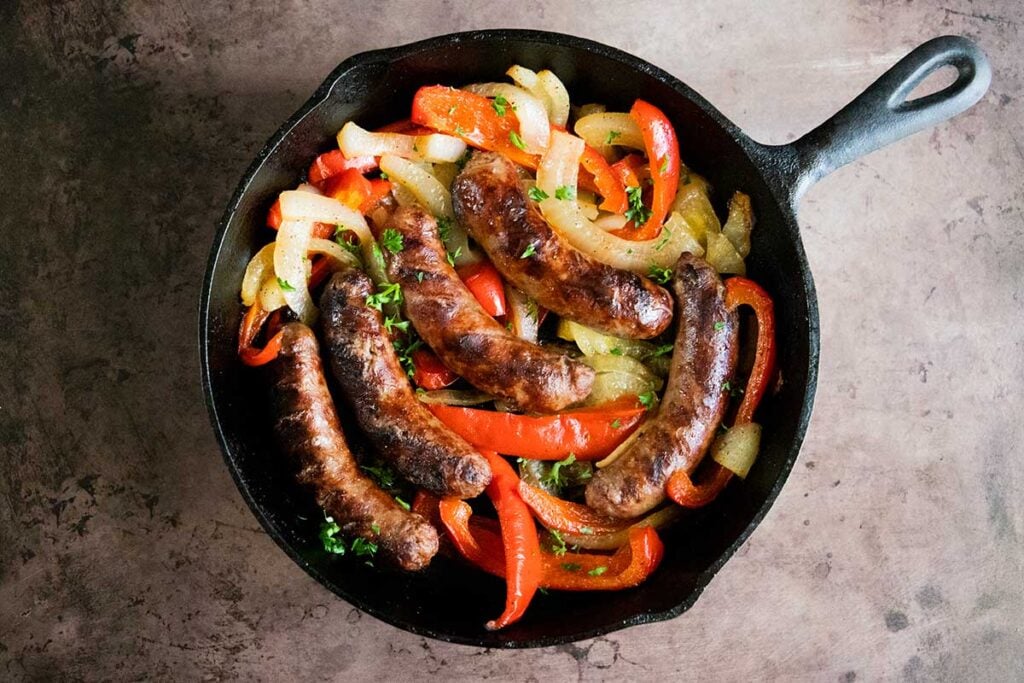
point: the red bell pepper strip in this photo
(274, 218)
(662, 148)
(379, 189)
(739, 291)
(564, 515)
(612, 191)
(519, 538)
(332, 163)
(628, 567)
(349, 187)
(472, 118)
(484, 281)
(405, 127)
(430, 372)
(252, 321)
(588, 433)
(629, 170)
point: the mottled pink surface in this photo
(895, 551)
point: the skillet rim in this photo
(773, 163)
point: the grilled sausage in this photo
(451, 321)
(677, 437)
(376, 389)
(308, 430)
(489, 200)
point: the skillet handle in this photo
(882, 114)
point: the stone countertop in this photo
(894, 552)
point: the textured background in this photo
(895, 550)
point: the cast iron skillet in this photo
(450, 601)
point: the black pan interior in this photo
(450, 601)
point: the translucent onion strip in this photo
(609, 128)
(534, 126)
(290, 250)
(522, 314)
(557, 95)
(737, 449)
(355, 141)
(454, 397)
(261, 266)
(332, 250)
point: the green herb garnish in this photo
(329, 531)
(285, 285)
(610, 138)
(393, 322)
(529, 251)
(499, 104)
(636, 212)
(648, 399)
(719, 326)
(537, 194)
(392, 240)
(452, 255)
(516, 140)
(571, 566)
(553, 478)
(565, 193)
(660, 275)
(597, 571)
(557, 543)
(616, 423)
(387, 293)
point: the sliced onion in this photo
(332, 250)
(740, 223)
(590, 108)
(616, 539)
(723, 257)
(611, 221)
(454, 397)
(522, 314)
(445, 173)
(435, 198)
(608, 363)
(737, 449)
(592, 343)
(609, 128)
(560, 165)
(534, 126)
(271, 297)
(557, 96)
(523, 77)
(261, 266)
(290, 250)
(619, 376)
(438, 148)
(356, 141)
(306, 187)
(694, 205)
(311, 207)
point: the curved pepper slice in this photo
(519, 538)
(484, 281)
(332, 163)
(628, 567)
(430, 373)
(252, 321)
(739, 291)
(588, 433)
(662, 149)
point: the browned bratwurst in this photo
(375, 387)
(489, 200)
(451, 321)
(308, 430)
(677, 437)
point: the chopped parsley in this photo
(616, 351)
(402, 503)
(530, 250)
(329, 530)
(392, 240)
(375, 528)
(664, 165)
(348, 245)
(586, 530)
(387, 293)
(719, 326)
(382, 474)
(648, 399)
(659, 274)
(571, 566)
(616, 423)
(451, 110)
(384, 176)
(419, 275)
(612, 135)
(666, 236)
(553, 478)
(636, 212)
(557, 543)
(499, 104)
(516, 140)
(565, 193)
(444, 228)
(460, 131)
(532, 310)
(537, 194)
(452, 255)
(662, 350)
(597, 571)
(405, 347)
(393, 322)
(727, 386)
(285, 285)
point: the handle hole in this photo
(935, 82)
